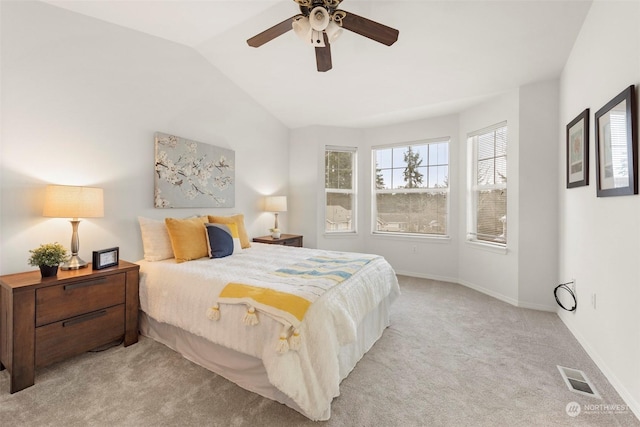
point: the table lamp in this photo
(275, 204)
(64, 201)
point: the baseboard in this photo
(489, 292)
(509, 300)
(459, 282)
(613, 380)
(426, 276)
(539, 307)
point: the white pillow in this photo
(155, 239)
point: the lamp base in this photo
(74, 263)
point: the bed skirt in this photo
(247, 371)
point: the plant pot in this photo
(48, 270)
(275, 234)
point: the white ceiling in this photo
(450, 54)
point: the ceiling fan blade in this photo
(271, 33)
(323, 55)
(371, 29)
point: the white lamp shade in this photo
(333, 31)
(275, 204)
(302, 28)
(319, 18)
(65, 201)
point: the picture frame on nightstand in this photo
(106, 258)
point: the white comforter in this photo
(180, 294)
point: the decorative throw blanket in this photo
(288, 299)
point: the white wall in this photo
(538, 194)
(487, 269)
(81, 100)
(600, 237)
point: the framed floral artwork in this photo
(617, 146)
(578, 151)
(191, 174)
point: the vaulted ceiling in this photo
(450, 54)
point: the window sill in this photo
(497, 249)
(340, 234)
(406, 237)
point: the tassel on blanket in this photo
(294, 340)
(213, 313)
(283, 344)
(250, 318)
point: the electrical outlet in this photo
(415, 249)
(593, 300)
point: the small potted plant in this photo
(275, 233)
(48, 257)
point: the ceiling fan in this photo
(320, 23)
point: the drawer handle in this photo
(85, 283)
(84, 318)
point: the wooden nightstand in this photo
(285, 239)
(46, 320)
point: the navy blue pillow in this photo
(219, 240)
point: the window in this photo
(411, 186)
(487, 216)
(340, 189)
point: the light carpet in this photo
(451, 357)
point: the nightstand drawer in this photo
(297, 241)
(57, 341)
(72, 299)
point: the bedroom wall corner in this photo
(304, 190)
(538, 191)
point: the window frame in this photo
(375, 191)
(473, 188)
(353, 191)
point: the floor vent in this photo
(578, 382)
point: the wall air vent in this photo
(578, 382)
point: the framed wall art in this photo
(617, 146)
(191, 174)
(578, 151)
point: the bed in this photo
(338, 328)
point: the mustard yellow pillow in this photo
(187, 237)
(238, 220)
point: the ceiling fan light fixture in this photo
(302, 28)
(333, 31)
(319, 18)
(320, 23)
